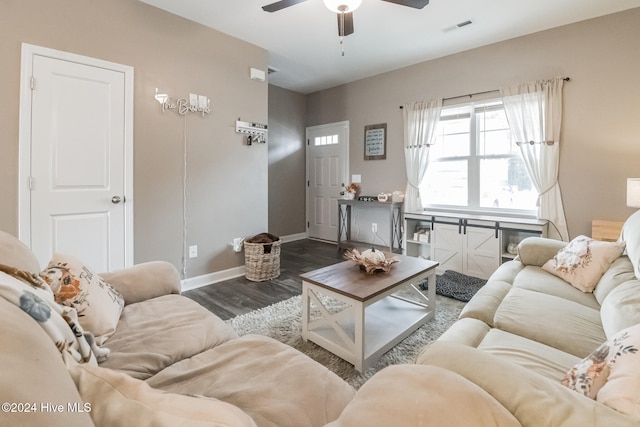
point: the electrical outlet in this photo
(193, 251)
(374, 227)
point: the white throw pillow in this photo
(611, 374)
(583, 261)
(98, 304)
(631, 236)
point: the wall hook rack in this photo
(256, 132)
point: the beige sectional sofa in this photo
(171, 363)
(513, 345)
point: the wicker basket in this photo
(262, 260)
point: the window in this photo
(325, 140)
(474, 165)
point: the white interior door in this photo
(327, 171)
(79, 177)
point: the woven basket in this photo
(262, 260)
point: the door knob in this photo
(115, 200)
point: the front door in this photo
(327, 170)
(79, 139)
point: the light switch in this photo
(202, 102)
(356, 179)
(193, 100)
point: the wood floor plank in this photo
(239, 295)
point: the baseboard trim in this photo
(293, 237)
(211, 278)
(231, 273)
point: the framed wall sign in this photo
(375, 142)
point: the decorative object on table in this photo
(262, 257)
(397, 196)
(351, 190)
(383, 197)
(512, 248)
(375, 142)
(371, 260)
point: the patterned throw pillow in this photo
(583, 261)
(611, 374)
(98, 304)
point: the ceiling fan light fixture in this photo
(340, 6)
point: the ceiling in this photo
(304, 47)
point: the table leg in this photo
(358, 312)
(305, 311)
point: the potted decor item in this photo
(351, 190)
(371, 260)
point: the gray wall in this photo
(600, 140)
(227, 180)
(286, 162)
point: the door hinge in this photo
(308, 142)
(308, 183)
(308, 224)
(32, 83)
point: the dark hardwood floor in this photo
(239, 296)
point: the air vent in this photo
(458, 25)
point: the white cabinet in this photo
(471, 244)
(470, 250)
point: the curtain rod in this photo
(470, 95)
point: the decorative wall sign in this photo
(375, 142)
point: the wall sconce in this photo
(162, 98)
(633, 192)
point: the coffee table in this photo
(378, 309)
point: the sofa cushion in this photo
(533, 399)
(156, 333)
(467, 331)
(416, 395)
(275, 384)
(486, 301)
(543, 359)
(33, 371)
(583, 261)
(620, 271)
(16, 254)
(115, 399)
(621, 308)
(536, 279)
(631, 236)
(75, 285)
(551, 320)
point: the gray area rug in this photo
(282, 321)
(457, 285)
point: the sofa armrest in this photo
(533, 399)
(536, 251)
(145, 281)
(417, 395)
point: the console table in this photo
(395, 223)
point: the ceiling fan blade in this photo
(274, 7)
(348, 24)
(416, 4)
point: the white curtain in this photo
(420, 121)
(534, 112)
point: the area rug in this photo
(457, 285)
(282, 321)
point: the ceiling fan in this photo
(344, 10)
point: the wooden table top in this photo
(348, 279)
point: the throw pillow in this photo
(611, 374)
(116, 399)
(98, 304)
(583, 261)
